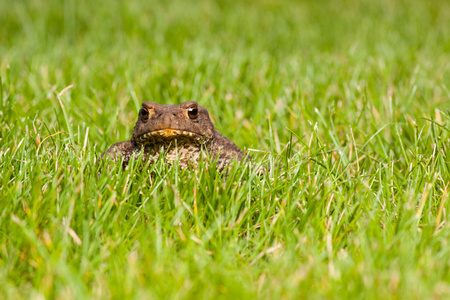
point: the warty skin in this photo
(181, 132)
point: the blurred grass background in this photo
(260, 56)
(356, 91)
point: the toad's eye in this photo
(193, 112)
(144, 113)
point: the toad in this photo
(178, 132)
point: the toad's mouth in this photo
(168, 135)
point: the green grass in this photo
(347, 102)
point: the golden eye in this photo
(144, 113)
(193, 112)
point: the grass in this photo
(347, 102)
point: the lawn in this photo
(346, 104)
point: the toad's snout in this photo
(168, 120)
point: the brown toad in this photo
(179, 132)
